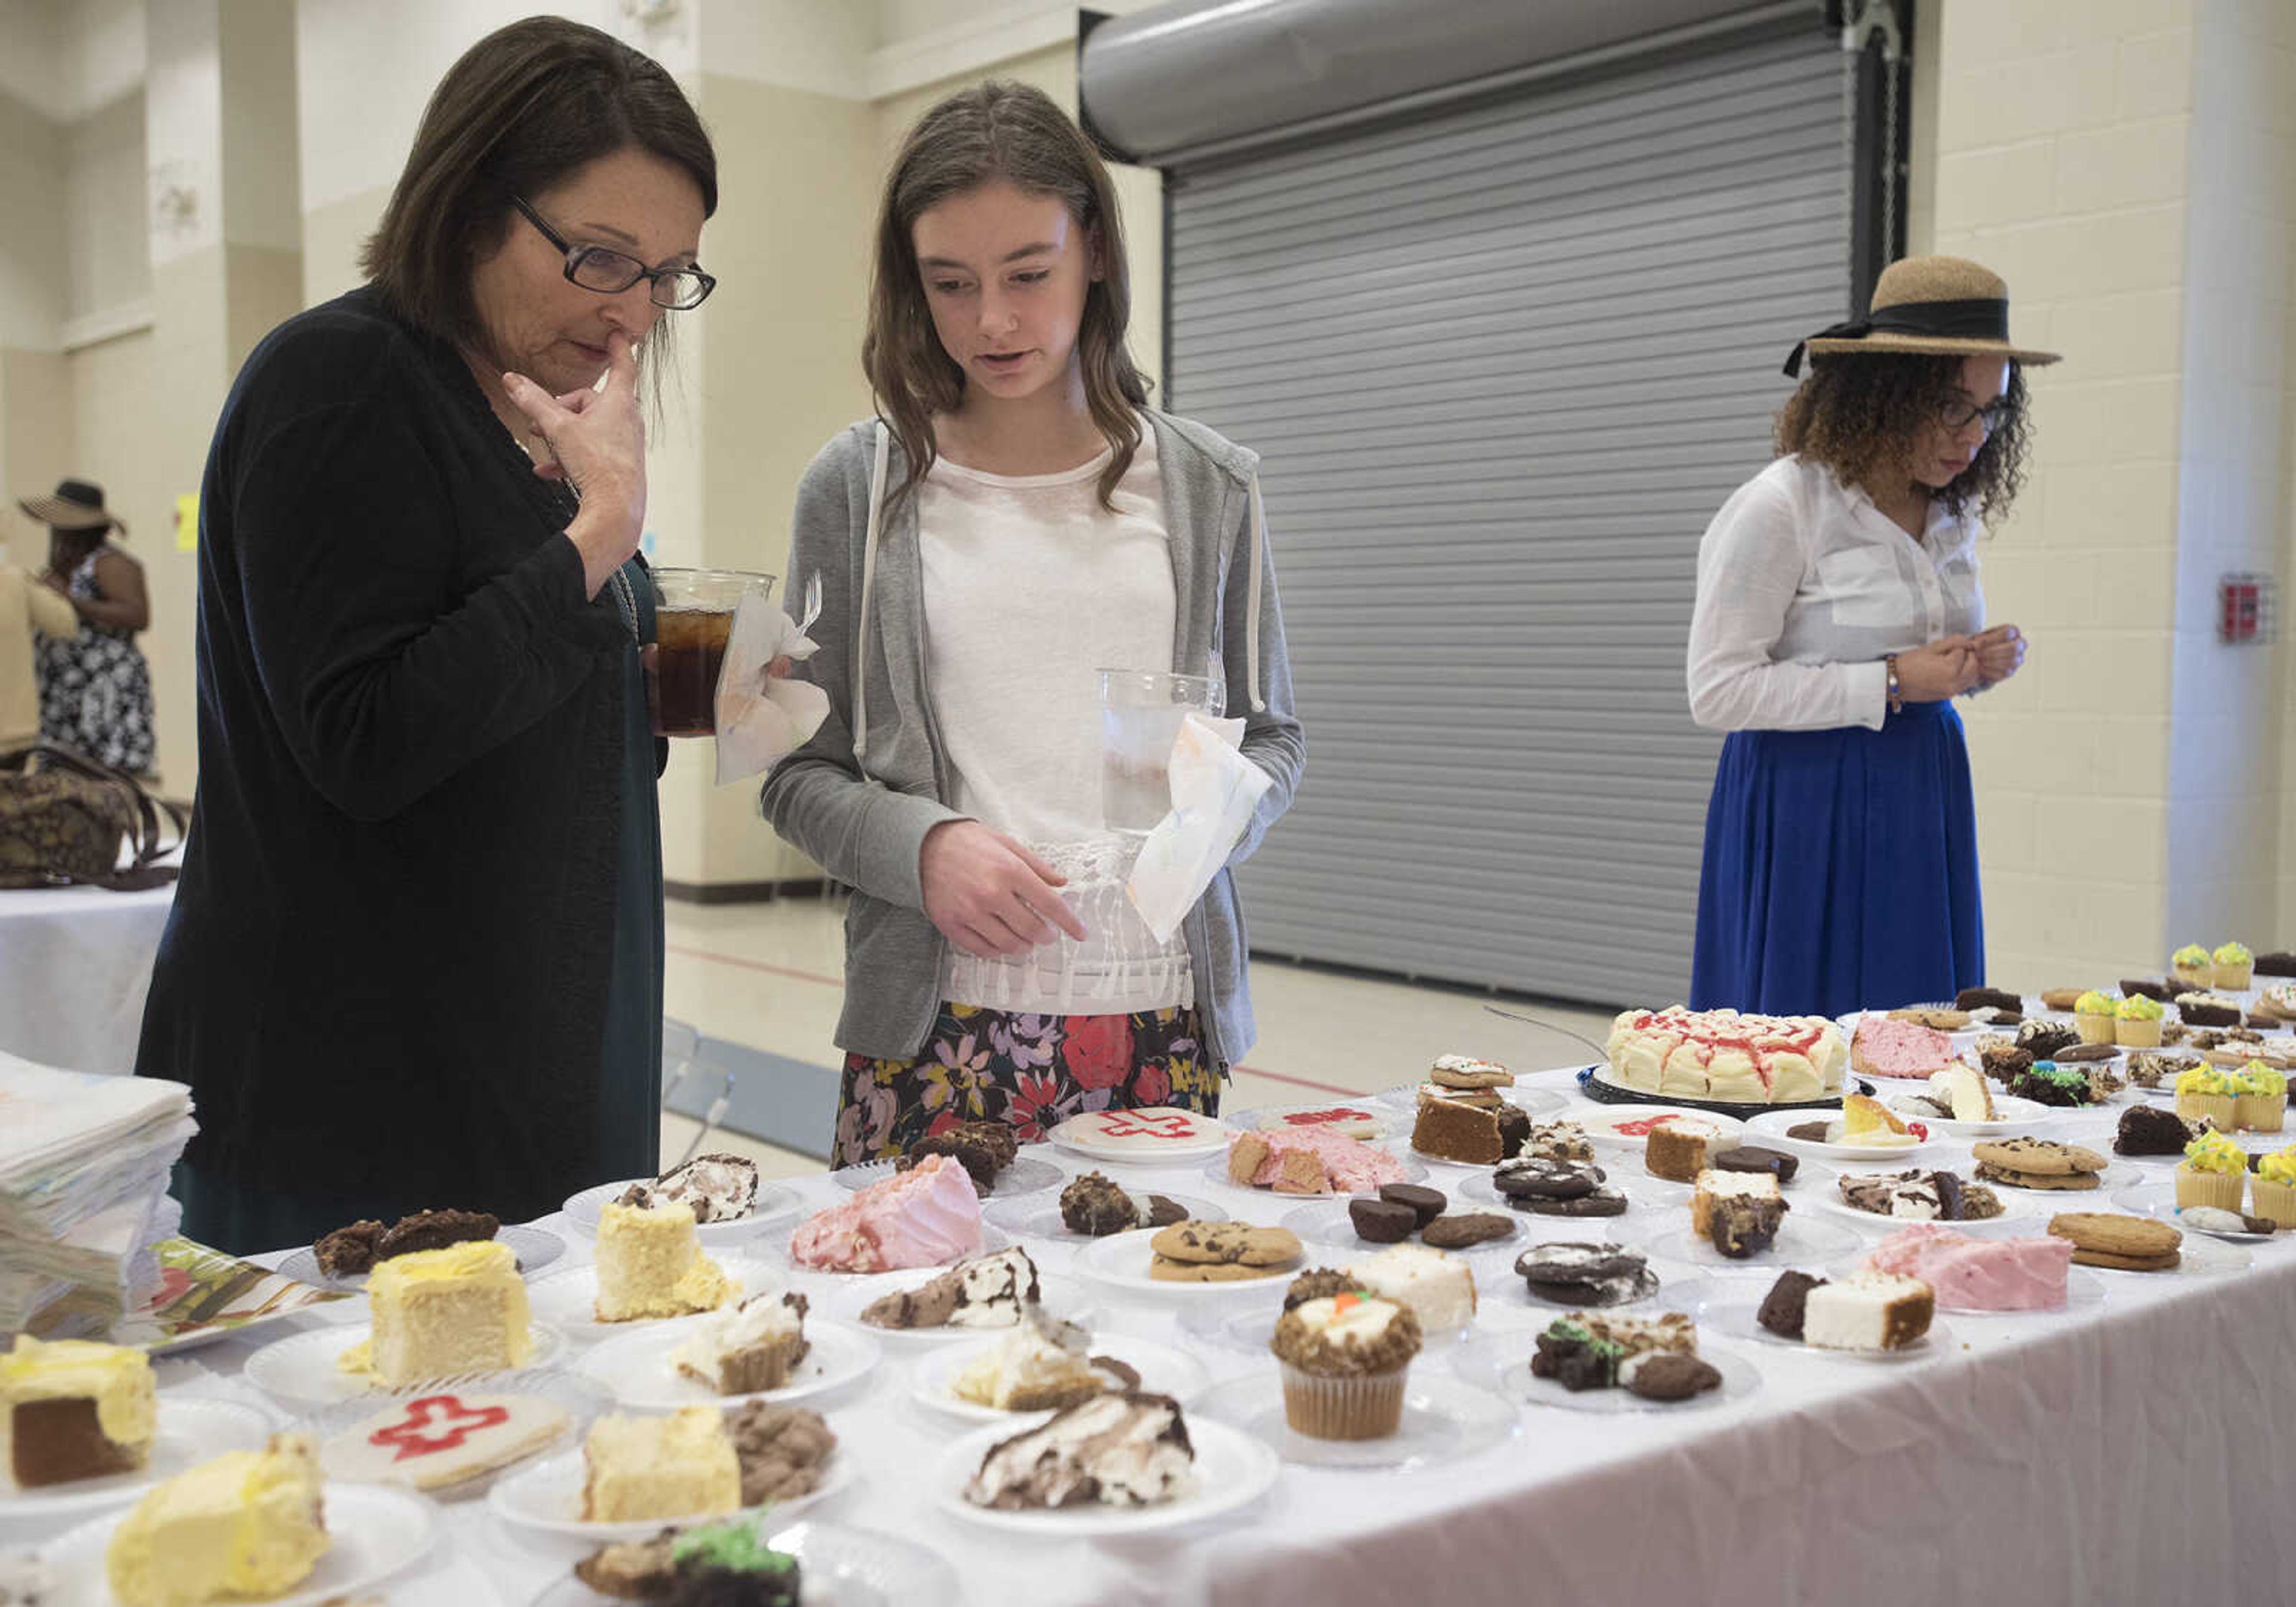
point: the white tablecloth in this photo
(2138, 1451)
(74, 963)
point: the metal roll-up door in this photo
(1503, 362)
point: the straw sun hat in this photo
(1932, 306)
(77, 505)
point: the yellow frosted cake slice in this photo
(649, 1469)
(71, 1410)
(650, 1264)
(442, 1312)
(247, 1525)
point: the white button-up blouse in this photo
(1804, 586)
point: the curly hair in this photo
(1857, 414)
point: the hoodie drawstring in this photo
(1251, 605)
(861, 625)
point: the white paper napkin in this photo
(760, 720)
(1214, 790)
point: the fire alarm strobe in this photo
(2247, 608)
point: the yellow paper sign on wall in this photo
(187, 522)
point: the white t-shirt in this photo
(1030, 587)
(1804, 586)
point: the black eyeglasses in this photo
(1957, 415)
(610, 273)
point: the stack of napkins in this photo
(84, 1159)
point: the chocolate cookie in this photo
(1226, 1244)
(1536, 1178)
(1382, 1221)
(1577, 1262)
(1782, 1308)
(2159, 992)
(434, 1230)
(1163, 1212)
(1601, 1202)
(1466, 1229)
(1426, 1203)
(1812, 1132)
(1668, 1375)
(2076, 1053)
(1754, 1157)
(1987, 998)
(349, 1252)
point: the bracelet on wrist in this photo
(1896, 687)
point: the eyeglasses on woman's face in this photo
(1957, 413)
(610, 273)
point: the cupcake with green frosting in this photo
(2213, 1172)
(2205, 1094)
(2274, 1188)
(2263, 1102)
(2136, 1022)
(2192, 965)
(2093, 1016)
(2230, 966)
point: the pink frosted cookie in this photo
(921, 1217)
(1309, 1162)
(1978, 1274)
(1884, 1048)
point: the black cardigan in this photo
(386, 966)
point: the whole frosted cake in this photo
(1726, 1055)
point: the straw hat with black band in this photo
(78, 504)
(1943, 307)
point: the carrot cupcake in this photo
(2093, 1016)
(1344, 1358)
(2263, 1102)
(2214, 1171)
(2136, 1022)
(2229, 967)
(2205, 1094)
(2274, 1186)
(2191, 963)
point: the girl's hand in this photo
(2000, 655)
(1944, 669)
(988, 895)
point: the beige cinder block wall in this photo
(2122, 167)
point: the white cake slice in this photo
(1963, 1092)
(1714, 1185)
(1872, 1311)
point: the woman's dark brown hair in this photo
(1008, 131)
(523, 110)
(1859, 414)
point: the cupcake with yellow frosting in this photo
(2093, 1016)
(2229, 967)
(2274, 1186)
(2263, 1102)
(2205, 1094)
(2191, 963)
(2136, 1022)
(2214, 1172)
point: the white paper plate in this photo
(853, 1567)
(1770, 1128)
(1028, 1174)
(2012, 1115)
(1062, 1298)
(534, 1247)
(1232, 1470)
(1166, 1151)
(1161, 1368)
(546, 1498)
(639, 1370)
(300, 1369)
(775, 1201)
(1733, 1318)
(1041, 1219)
(568, 1298)
(1444, 1421)
(376, 1531)
(1800, 1238)
(776, 1249)
(1326, 1224)
(2159, 1200)
(1414, 1170)
(187, 1432)
(1502, 1363)
(582, 1400)
(1121, 1262)
(1603, 1123)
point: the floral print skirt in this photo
(1030, 1071)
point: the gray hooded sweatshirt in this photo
(860, 796)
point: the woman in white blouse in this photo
(1838, 614)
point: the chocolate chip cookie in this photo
(2124, 1243)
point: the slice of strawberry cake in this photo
(1309, 1162)
(925, 1216)
(1885, 1047)
(1978, 1274)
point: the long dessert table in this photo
(2134, 1449)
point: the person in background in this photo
(95, 688)
(415, 959)
(1838, 614)
(25, 606)
(1016, 519)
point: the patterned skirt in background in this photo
(1030, 1071)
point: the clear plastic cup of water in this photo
(1140, 715)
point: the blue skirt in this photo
(1841, 870)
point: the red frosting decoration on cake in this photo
(1138, 1123)
(423, 1431)
(1706, 1032)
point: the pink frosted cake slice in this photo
(1309, 1162)
(1884, 1047)
(1978, 1274)
(921, 1217)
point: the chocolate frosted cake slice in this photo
(982, 1148)
(1743, 1226)
(1126, 1449)
(434, 1230)
(349, 1252)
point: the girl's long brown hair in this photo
(1009, 131)
(1857, 414)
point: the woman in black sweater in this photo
(415, 955)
